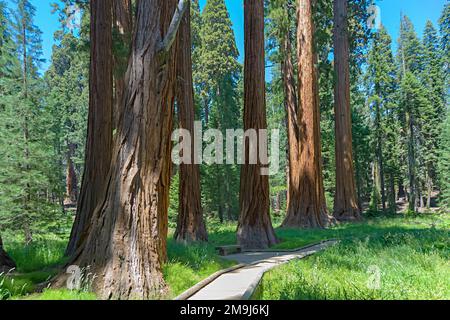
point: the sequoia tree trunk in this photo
(6, 263)
(307, 207)
(345, 200)
(123, 26)
(190, 223)
(126, 245)
(255, 227)
(99, 135)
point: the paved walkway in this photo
(241, 283)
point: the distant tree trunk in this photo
(307, 207)
(392, 195)
(26, 136)
(126, 245)
(411, 165)
(379, 156)
(190, 224)
(123, 26)
(429, 190)
(99, 136)
(71, 177)
(255, 227)
(345, 201)
(6, 263)
(278, 203)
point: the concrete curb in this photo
(196, 288)
(255, 284)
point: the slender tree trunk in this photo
(411, 165)
(345, 201)
(307, 207)
(71, 177)
(126, 245)
(429, 190)
(379, 155)
(6, 263)
(26, 136)
(392, 195)
(255, 227)
(190, 224)
(99, 136)
(123, 26)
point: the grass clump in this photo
(412, 260)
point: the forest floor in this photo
(412, 253)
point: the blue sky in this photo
(418, 10)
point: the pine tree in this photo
(6, 61)
(28, 194)
(381, 84)
(67, 101)
(444, 163)
(216, 79)
(410, 58)
(444, 27)
(434, 81)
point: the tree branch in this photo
(166, 44)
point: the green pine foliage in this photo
(444, 163)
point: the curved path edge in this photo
(248, 274)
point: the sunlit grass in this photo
(412, 255)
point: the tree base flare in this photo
(256, 237)
(305, 219)
(348, 215)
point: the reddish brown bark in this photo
(345, 200)
(126, 245)
(99, 136)
(123, 26)
(190, 224)
(307, 207)
(255, 227)
(6, 263)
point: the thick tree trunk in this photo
(123, 26)
(307, 207)
(255, 227)
(71, 178)
(293, 131)
(99, 136)
(6, 263)
(190, 224)
(345, 201)
(126, 245)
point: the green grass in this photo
(412, 255)
(189, 264)
(420, 245)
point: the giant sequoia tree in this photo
(126, 243)
(99, 136)
(345, 201)
(190, 224)
(307, 207)
(255, 228)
